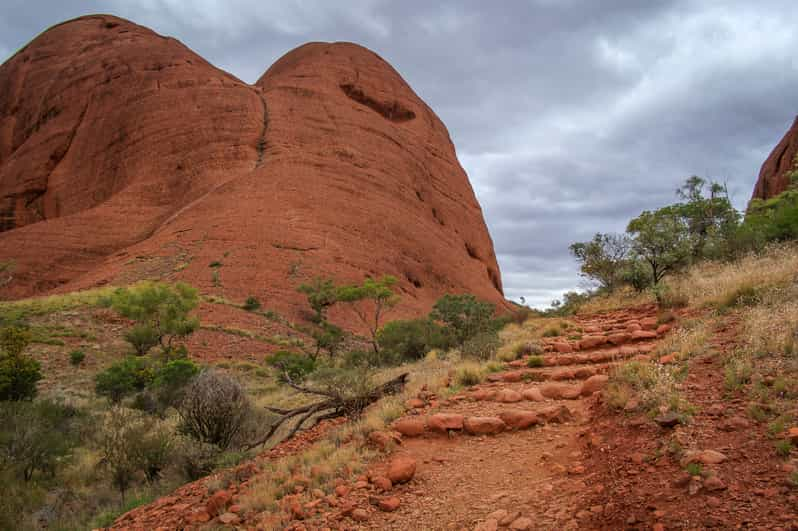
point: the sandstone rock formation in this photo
(773, 177)
(124, 155)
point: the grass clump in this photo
(76, 357)
(783, 448)
(535, 361)
(694, 469)
(736, 373)
(468, 374)
(648, 387)
(251, 304)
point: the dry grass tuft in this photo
(621, 298)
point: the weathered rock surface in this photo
(124, 155)
(773, 176)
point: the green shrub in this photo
(468, 374)
(694, 469)
(783, 448)
(171, 380)
(551, 332)
(123, 378)
(411, 340)
(37, 436)
(142, 337)
(251, 304)
(76, 357)
(535, 361)
(482, 346)
(465, 315)
(298, 366)
(19, 373)
(343, 383)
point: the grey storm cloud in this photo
(570, 116)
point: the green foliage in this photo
(783, 448)
(131, 443)
(468, 375)
(464, 315)
(535, 361)
(602, 259)
(171, 380)
(214, 409)
(568, 305)
(636, 273)
(123, 378)
(160, 311)
(411, 340)
(708, 215)
(19, 373)
(36, 436)
(76, 357)
(142, 337)
(371, 299)
(327, 337)
(694, 469)
(321, 294)
(251, 304)
(297, 366)
(661, 238)
(481, 346)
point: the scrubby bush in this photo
(468, 374)
(123, 379)
(411, 340)
(535, 361)
(36, 436)
(196, 459)
(322, 294)
(171, 379)
(482, 346)
(464, 315)
(297, 366)
(343, 383)
(76, 357)
(19, 373)
(251, 304)
(131, 443)
(213, 409)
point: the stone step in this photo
(511, 419)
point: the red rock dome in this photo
(124, 155)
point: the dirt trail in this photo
(533, 478)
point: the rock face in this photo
(773, 178)
(124, 155)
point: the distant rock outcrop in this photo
(124, 155)
(773, 177)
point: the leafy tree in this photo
(602, 259)
(637, 274)
(328, 337)
(708, 213)
(464, 315)
(161, 312)
(19, 373)
(371, 300)
(321, 294)
(123, 378)
(661, 238)
(36, 436)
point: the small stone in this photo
(382, 483)
(533, 395)
(792, 435)
(483, 425)
(487, 525)
(229, 518)
(217, 503)
(521, 524)
(508, 396)
(389, 504)
(594, 384)
(443, 422)
(342, 491)
(415, 403)
(410, 426)
(668, 420)
(519, 419)
(498, 515)
(360, 515)
(714, 483)
(402, 469)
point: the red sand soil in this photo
(124, 155)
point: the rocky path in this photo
(509, 453)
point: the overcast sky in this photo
(570, 116)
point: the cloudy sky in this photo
(570, 116)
